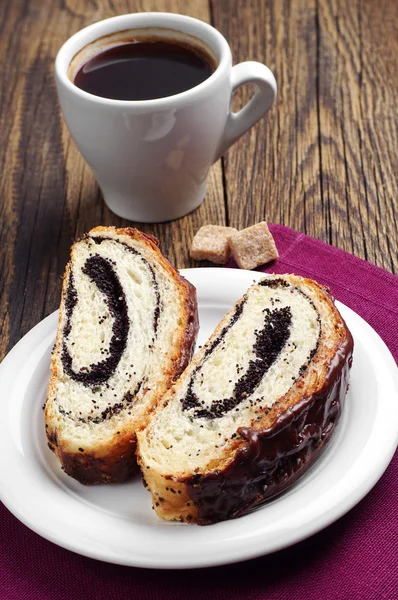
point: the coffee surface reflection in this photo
(144, 70)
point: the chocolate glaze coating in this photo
(90, 470)
(271, 460)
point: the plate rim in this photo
(324, 521)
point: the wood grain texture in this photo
(272, 173)
(358, 67)
(325, 161)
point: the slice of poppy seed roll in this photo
(127, 328)
(253, 409)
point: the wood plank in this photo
(358, 65)
(272, 172)
(48, 194)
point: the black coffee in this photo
(144, 70)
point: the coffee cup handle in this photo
(249, 72)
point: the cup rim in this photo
(83, 37)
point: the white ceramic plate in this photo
(115, 523)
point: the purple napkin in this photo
(353, 559)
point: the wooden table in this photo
(324, 162)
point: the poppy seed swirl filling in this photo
(259, 342)
(270, 340)
(108, 350)
(102, 274)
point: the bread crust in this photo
(272, 454)
(116, 461)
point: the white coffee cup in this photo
(151, 158)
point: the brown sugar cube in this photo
(211, 243)
(253, 246)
